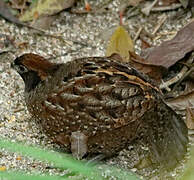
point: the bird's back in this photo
(110, 104)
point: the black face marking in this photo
(31, 80)
(17, 61)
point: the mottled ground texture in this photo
(86, 35)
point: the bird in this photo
(98, 105)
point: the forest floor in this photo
(85, 35)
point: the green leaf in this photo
(60, 160)
(188, 172)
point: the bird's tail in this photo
(167, 135)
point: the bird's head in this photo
(33, 69)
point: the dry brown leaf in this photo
(182, 102)
(78, 144)
(191, 4)
(144, 44)
(44, 22)
(155, 72)
(189, 86)
(120, 43)
(169, 52)
(6, 14)
(190, 118)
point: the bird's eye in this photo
(22, 69)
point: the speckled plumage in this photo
(108, 102)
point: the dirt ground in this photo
(85, 35)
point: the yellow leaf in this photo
(120, 43)
(2, 168)
(19, 158)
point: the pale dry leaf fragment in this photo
(120, 43)
(78, 144)
(46, 8)
(189, 86)
(184, 3)
(190, 118)
(182, 102)
(149, 7)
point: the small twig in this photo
(19, 110)
(161, 21)
(183, 77)
(134, 11)
(175, 79)
(165, 84)
(95, 160)
(147, 34)
(167, 33)
(165, 8)
(138, 33)
(172, 33)
(148, 8)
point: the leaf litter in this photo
(159, 61)
(156, 64)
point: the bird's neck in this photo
(31, 80)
